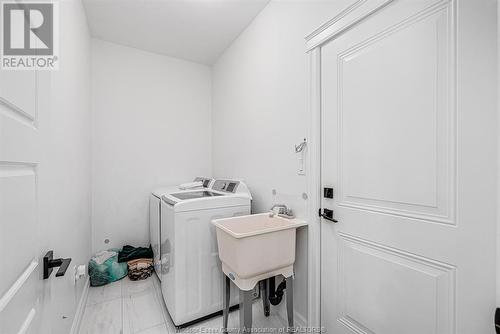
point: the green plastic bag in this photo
(110, 271)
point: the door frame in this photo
(313, 166)
(356, 12)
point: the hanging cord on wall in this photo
(299, 148)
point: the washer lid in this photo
(195, 194)
(159, 192)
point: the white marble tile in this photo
(274, 321)
(105, 293)
(168, 320)
(103, 318)
(161, 329)
(133, 287)
(141, 310)
(157, 286)
(136, 307)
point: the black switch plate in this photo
(328, 192)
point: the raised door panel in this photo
(18, 91)
(20, 286)
(17, 214)
(396, 144)
(20, 314)
(377, 290)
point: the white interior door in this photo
(23, 238)
(409, 147)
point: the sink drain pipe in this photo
(275, 296)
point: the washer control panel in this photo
(229, 186)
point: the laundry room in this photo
(269, 166)
(160, 121)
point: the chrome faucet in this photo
(283, 211)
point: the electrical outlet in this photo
(79, 271)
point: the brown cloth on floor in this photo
(140, 269)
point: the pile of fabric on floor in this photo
(140, 269)
(112, 265)
(139, 261)
(104, 268)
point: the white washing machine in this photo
(191, 275)
(155, 214)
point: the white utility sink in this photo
(256, 247)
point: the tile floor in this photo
(128, 307)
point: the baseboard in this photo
(77, 320)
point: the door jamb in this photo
(314, 186)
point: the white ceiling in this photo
(196, 30)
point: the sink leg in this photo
(246, 311)
(226, 292)
(289, 300)
(265, 297)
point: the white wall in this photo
(151, 126)
(260, 110)
(67, 200)
(498, 147)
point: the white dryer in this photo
(191, 276)
(155, 214)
